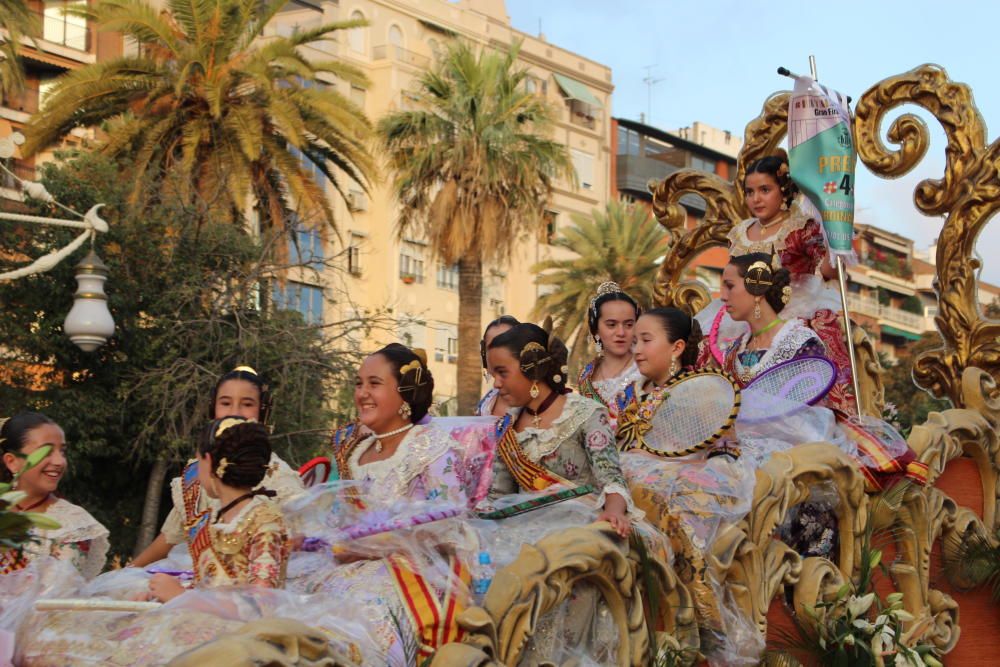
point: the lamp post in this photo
(89, 323)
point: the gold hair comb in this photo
(418, 369)
(244, 369)
(220, 470)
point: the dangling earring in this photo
(405, 411)
(600, 346)
(673, 366)
(534, 390)
(756, 310)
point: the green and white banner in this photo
(821, 158)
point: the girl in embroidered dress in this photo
(401, 457)
(79, 539)
(241, 543)
(611, 317)
(490, 404)
(786, 223)
(240, 392)
(689, 498)
(551, 435)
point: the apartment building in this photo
(385, 271)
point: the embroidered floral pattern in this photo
(79, 539)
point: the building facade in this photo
(377, 269)
(62, 43)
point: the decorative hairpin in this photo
(220, 470)
(244, 369)
(533, 347)
(418, 369)
(786, 294)
(759, 278)
(229, 422)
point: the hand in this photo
(618, 521)
(164, 588)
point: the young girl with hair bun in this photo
(241, 392)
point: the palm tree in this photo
(18, 21)
(622, 243)
(230, 115)
(474, 168)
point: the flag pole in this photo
(841, 277)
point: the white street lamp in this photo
(89, 323)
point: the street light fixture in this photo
(89, 323)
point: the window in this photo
(447, 276)
(306, 248)
(583, 164)
(435, 47)
(306, 299)
(358, 96)
(411, 263)
(395, 36)
(63, 28)
(704, 164)
(356, 36)
(452, 347)
(530, 85)
(548, 230)
(309, 166)
(354, 254)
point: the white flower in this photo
(859, 606)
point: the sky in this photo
(716, 61)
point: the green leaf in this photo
(36, 457)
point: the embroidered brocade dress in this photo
(79, 539)
(250, 550)
(426, 466)
(283, 480)
(800, 245)
(604, 391)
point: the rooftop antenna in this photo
(650, 82)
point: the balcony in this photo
(633, 173)
(400, 55)
(894, 316)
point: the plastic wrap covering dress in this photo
(249, 551)
(79, 539)
(405, 592)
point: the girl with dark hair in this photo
(243, 541)
(611, 316)
(78, 538)
(550, 435)
(786, 225)
(490, 404)
(241, 392)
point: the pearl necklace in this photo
(379, 436)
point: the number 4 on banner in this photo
(845, 184)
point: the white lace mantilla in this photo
(785, 346)
(391, 477)
(538, 443)
(76, 525)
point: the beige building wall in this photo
(393, 51)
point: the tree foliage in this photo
(912, 403)
(206, 97)
(474, 165)
(18, 21)
(190, 302)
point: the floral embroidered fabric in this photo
(79, 539)
(251, 549)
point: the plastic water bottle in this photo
(482, 576)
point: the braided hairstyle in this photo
(775, 293)
(543, 356)
(775, 166)
(240, 448)
(416, 384)
(680, 326)
(250, 375)
(503, 320)
(13, 433)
